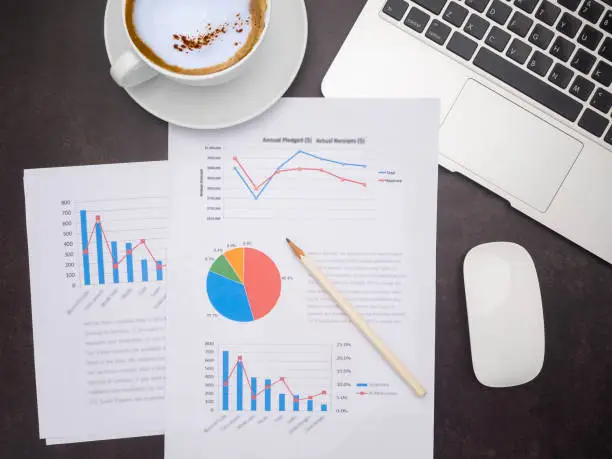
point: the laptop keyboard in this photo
(558, 53)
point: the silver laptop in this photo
(524, 88)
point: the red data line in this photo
(90, 238)
(255, 395)
(245, 172)
(295, 169)
(142, 242)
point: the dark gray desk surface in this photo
(59, 107)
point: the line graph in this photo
(257, 190)
(303, 182)
(306, 365)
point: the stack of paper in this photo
(179, 273)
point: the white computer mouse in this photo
(504, 307)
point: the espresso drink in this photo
(195, 37)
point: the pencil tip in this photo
(296, 250)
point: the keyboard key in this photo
(518, 51)
(416, 19)
(602, 100)
(583, 61)
(593, 122)
(570, 4)
(497, 38)
(526, 5)
(548, 13)
(527, 83)
(539, 63)
(455, 14)
(581, 88)
(476, 26)
(591, 10)
(561, 76)
(562, 49)
(606, 22)
(499, 12)
(462, 46)
(603, 73)
(608, 137)
(589, 37)
(541, 36)
(395, 9)
(606, 49)
(520, 24)
(438, 32)
(478, 5)
(434, 6)
(569, 25)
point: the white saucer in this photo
(268, 77)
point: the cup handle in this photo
(130, 70)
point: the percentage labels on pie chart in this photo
(243, 284)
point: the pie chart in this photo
(243, 284)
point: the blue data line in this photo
(256, 196)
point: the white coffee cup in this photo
(134, 68)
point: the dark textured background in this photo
(58, 106)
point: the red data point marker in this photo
(225, 383)
(309, 397)
(115, 266)
(240, 357)
(85, 252)
(142, 240)
(97, 218)
(324, 392)
(282, 378)
(129, 252)
(253, 397)
(235, 158)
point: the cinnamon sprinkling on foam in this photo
(187, 43)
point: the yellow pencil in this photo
(358, 320)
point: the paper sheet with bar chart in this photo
(262, 363)
(98, 239)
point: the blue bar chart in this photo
(129, 262)
(263, 378)
(225, 377)
(111, 241)
(144, 269)
(281, 402)
(99, 250)
(115, 256)
(84, 244)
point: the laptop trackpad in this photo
(507, 146)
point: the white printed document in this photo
(261, 362)
(97, 240)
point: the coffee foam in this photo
(156, 24)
